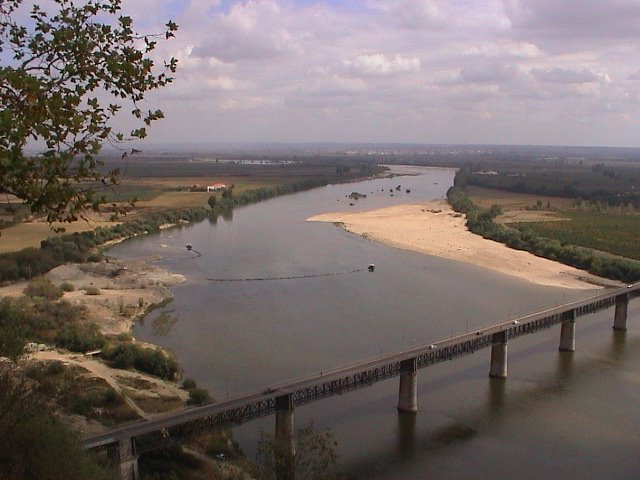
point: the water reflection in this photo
(449, 434)
(564, 366)
(618, 345)
(164, 323)
(406, 434)
(496, 402)
(228, 215)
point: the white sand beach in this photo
(434, 228)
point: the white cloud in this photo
(380, 64)
(510, 49)
(249, 31)
(422, 14)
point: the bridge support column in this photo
(498, 367)
(568, 332)
(285, 446)
(408, 394)
(127, 460)
(620, 319)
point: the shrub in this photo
(154, 362)
(54, 368)
(198, 396)
(67, 287)
(42, 287)
(189, 383)
(80, 337)
(92, 291)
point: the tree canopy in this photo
(66, 73)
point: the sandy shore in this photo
(435, 229)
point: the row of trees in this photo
(583, 185)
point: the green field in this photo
(614, 233)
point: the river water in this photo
(557, 415)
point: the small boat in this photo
(371, 267)
(189, 246)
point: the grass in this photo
(609, 232)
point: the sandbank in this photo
(434, 228)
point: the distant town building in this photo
(215, 187)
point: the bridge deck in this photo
(358, 375)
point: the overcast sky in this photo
(559, 72)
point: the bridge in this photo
(128, 441)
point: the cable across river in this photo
(292, 277)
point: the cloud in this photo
(418, 14)
(562, 24)
(385, 70)
(563, 75)
(380, 64)
(486, 73)
(249, 31)
(509, 49)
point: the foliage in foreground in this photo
(480, 221)
(171, 463)
(35, 445)
(71, 67)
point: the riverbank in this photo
(113, 294)
(434, 228)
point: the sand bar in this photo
(434, 228)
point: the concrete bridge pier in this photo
(620, 318)
(408, 394)
(285, 445)
(127, 460)
(568, 332)
(498, 367)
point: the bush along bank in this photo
(480, 221)
(81, 247)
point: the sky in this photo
(552, 72)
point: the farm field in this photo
(616, 233)
(171, 191)
(609, 230)
(153, 193)
(510, 201)
(30, 234)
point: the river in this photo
(558, 414)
